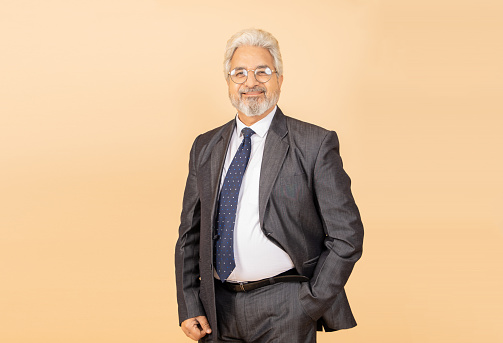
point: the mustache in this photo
(254, 89)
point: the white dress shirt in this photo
(255, 255)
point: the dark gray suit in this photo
(305, 207)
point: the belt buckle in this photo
(241, 284)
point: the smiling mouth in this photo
(252, 92)
(249, 94)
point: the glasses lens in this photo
(263, 74)
(239, 75)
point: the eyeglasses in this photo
(262, 74)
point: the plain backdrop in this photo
(100, 102)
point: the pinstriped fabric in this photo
(227, 206)
(269, 314)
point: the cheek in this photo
(233, 91)
(272, 90)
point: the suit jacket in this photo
(305, 207)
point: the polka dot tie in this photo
(227, 205)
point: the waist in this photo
(290, 275)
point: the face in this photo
(252, 98)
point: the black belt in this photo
(288, 276)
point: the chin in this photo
(254, 110)
(253, 107)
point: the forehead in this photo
(251, 57)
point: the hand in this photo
(196, 328)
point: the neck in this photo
(249, 121)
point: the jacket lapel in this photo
(275, 151)
(217, 161)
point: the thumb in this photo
(204, 323)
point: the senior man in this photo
(269, 229)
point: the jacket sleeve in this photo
(343, 230)
(187, 247)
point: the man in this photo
(269, 229)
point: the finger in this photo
(204, 324)
(191, 329)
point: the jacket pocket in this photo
(309, 266)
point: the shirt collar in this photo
(260, 128)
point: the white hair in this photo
(253, 37)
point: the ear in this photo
(280, 81)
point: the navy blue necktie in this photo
(227, 206)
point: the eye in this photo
(264, 71)
(238, 73)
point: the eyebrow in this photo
(260, 66)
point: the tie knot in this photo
(247, 132)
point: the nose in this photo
(251, 81)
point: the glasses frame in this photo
(254, 74)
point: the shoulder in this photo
(308, 133)
(211, 137)
(214, 133)
(296, 125)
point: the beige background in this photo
(101, 100)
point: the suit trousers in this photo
(270, 314)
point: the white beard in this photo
(255, 105)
